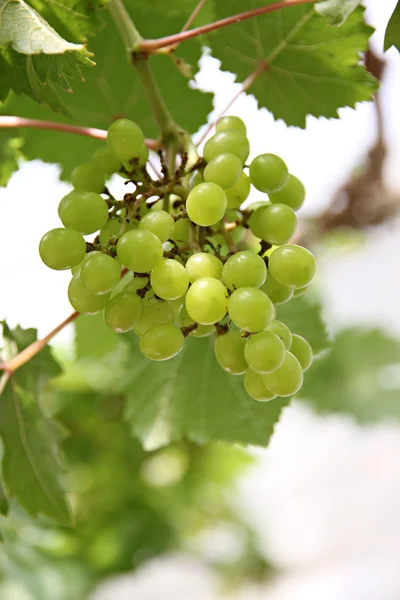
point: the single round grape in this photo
(109, 231)
(225, 123)
(62, 249)
(78, 267)
(85, 212)
(229, 351)
(201, 265)
(256, 388)
(230, 141)
(82, 299)
(139, 250)
(276, 223)
(302, 350)
(265, 352)
(277, 293)
(88, 178)
(244, 269)
(106, 161)
(125, 139)
(123, 311)
(162, 342)
(154, 312)
(250, 309)
(238, 193)
(224, 170)
(301, 291)
(185, 320)
(181, 231)
(292, 265)
(196, 178)
(292, 194)
(100, 273)
(160, 223)
(169, 279)
(206, 204)
(268, 173)
(135, 284)
(282, 331)
(202, 331)
(206, 300)
(287, 379)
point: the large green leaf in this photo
(337, 11)
(3, 500)
(9, 154)
(392, 35)
(311, 68)
(304, 317)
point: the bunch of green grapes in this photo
(179, 256)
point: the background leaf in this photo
(392, 35)
(337, 11)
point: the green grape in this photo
(100, 273)
(206, 300)
(78, 267)
(123, 311)
(256, 388)
(250, 309)
(206, 204)
(256, 205)
(109, 231)
(224, 170)
(268, 173)
(143, 156)
(88, 178)
(201, 265)
(230, 141)
(139, 250)
(277, 293)
(82, 299)
(292, 194)
(106, 161)
(85, 212)
(275, 223)
(235, 123)
(136, 283)
(160, 223)
(244, 269)
(302, 350)
(287, 379)
(161, 342)
(238, 193)
(169, 279)
(181, 231)
(154, 312)
(255, 220)
(282, 331)
(301, 291)
(292, 265)
(125, 139)
(195, 179)
(185, 320)
(202, 331)
(229, 351)
(265, 352)
(238, 234)
(62, 249)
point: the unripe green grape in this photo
(125, 139)
(100, 273)
(292, 194)
(181, 231)
(85, 212)
(287, 379)
(302, 350)
(160, 223)
(139, 250)
(268, 173)
(185, 320)
(255, 220)
(292, 265)
(61, 249)
(83, 300)
(224, 170)
(88, 178)
(206, 204)
(238, 235)
(201, 265)
(106, 161)
(109, 230)
(282, 331)
(196, 179)
(250, 309)
(169, 279)
(277, 293)
(238, 193)
(265, 352)
(154, 312)
(230, 141)
(123, 311)
(143, 156)
(301, 291)
(202, 331)
(256, 388)
(229, 351)
(162, 342)
(206, 300)
(244, 269)
(231, 122)
(78, 267)
(135, 284)
(275, 223)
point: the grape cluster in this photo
(179, 257)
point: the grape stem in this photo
(186, 26)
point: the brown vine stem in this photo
(188, 23)
(151, 46)
(100, 134)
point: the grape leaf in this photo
(9, 154)
(303, 316)
(392, 35)
(337, 11)
(311, 68)
(3, 501)
(357, 377)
